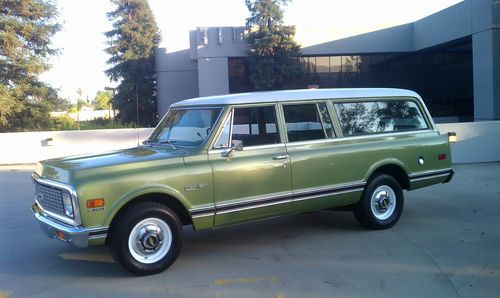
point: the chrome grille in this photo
(50, 198)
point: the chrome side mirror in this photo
(236, 145)
(227, 153)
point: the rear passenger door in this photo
(316, 181)
(255, 182)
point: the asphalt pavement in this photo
(446, 244)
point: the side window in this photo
(379, 116)
(306, 122)
(325, 118)
(255, 126)
(223, 140)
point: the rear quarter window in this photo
(357, 118)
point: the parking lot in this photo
(447, 244)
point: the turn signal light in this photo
(452, 137)
(95, 203)
(441, 156)
(60, 235)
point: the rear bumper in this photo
(450, 176)
(75, 236)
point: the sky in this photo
(82, 61)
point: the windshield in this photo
(186, 127)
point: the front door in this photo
(255, 181)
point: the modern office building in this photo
(451, 58)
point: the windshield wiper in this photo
(169, 142)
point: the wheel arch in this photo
(153, 195)
(393, 168)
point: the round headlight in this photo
(68, 205)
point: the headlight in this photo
(68, 204)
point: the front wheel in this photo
(381, 204)
(146, 238)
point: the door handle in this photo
(280, 156)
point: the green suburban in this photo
(222, 160)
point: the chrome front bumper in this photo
(75, 236)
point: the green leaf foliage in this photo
(131, 44)
(26, 29)
(274, 56)
(102, 100)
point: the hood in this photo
(68, 169)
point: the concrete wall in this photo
(394, 39)
(213, 76)
(212, 47)
(30, 147)
(477, 142)
(176, 77)
(448, 24)
(215, 42)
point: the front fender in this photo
(145, 190)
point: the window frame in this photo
(231, 114)
(316, 104)
(207, 140)
(422, 109)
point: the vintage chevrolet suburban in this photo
(223, 160)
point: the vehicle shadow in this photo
(54, 258)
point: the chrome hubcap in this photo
(383, 202)
(150, 240)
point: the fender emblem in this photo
(195, 187)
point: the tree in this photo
(26, 28)
(274, 56)
(133, 40)
(102, 100)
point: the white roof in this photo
(294, 95)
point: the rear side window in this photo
(306, 122)
(379, 117)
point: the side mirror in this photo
(236, 145)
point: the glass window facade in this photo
(442, 75)
(239, 80)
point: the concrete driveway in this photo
(447, 244)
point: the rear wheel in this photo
(381, 204)
(146, 238)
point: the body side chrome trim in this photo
(430, 177)
(336, 187)
(257, 199)
(332, 193)
(202, 215)
(198, 212)
(431, 174)
(254, 206)
(288, 197)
